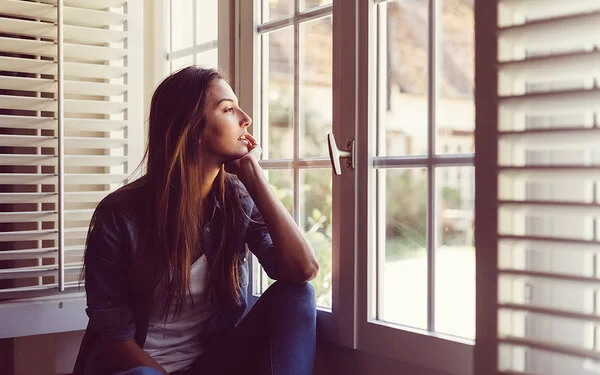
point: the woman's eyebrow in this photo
(225, 100)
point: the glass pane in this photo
(282, 183)
(208, 59)
(207, 24)
(181, 62)
(274, 9)
(182, 24)
(455, 110)
(402, 250)
(455, 252)
(316, 98)
(278, 94)
(310, 4)
(315, 219)
(403, 78)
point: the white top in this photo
(178, 342)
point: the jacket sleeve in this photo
(260, 243)
(107, 263)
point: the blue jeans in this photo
(142, 370)
(277, 336)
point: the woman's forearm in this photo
(294, 255)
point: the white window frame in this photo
(428, 349)
(348, 322)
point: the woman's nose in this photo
(246, 120)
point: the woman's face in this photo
(223, 137)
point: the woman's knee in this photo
(299, 295)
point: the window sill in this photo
(43, 315)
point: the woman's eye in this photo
(228, 109)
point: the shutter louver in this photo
(549, 186)
(65, 134)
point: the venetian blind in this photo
(70, 132)
(549, 186)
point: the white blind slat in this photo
(27, 122)
(72, 15)
(46, 141)
(72, 34)
(71, 51)
(18, 8)
(40, 271)
(553, 102)
(72, 69)
(548, 138)
(27, 103)
(565, 65)
(85, 196)
(23, 217)
(28, 235)
(546, 311)
(519, 11)
(544, 345)
(82, 124)
(27, 141)
(100, 143)
(558, 31)
(27, 253)
(93, 106)
(27, 198)
(95, 88)
(70, 160)
(89, 4)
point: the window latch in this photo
(336, 154)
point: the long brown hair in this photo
(175, 214)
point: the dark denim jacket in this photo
(111, 309)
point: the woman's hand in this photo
(249, 161)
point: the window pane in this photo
(282, 183)
(315, 219)
(403, 78)
(455, 111)
(207, 17)
(310, 4)
(208, 59)
(182, 26)
(278, 94)
(455, 252)
(181, 62)
(274, 9)
(402, 251)
(316, 99)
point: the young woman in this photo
(165, 264)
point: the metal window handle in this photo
(336, 154)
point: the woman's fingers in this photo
(251, 139)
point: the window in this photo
(541, 259)
(401, 239)
(70, 132)
(193, 33)
(295, 80)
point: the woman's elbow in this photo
(308, 272)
